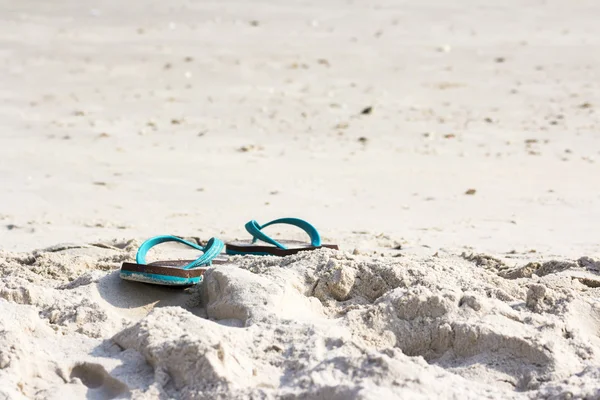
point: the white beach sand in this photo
(373, 120)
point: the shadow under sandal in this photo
(273, 247)
(172, 272)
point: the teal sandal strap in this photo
(255, 230)
(212, 249)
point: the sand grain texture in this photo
(324, 324)
(450, 149)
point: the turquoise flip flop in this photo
(172, 272)
(273, 247)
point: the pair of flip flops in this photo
(189, 272)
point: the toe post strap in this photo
(212, 249)
(255, 230)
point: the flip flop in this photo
(172, 272)
(273, 247)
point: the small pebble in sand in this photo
(585, 105)
(499, 59)
(367, 110)
(449, 136)
(254, 23)
(471, 192)
(363, 140)
(103, 135)
(245, 149)
(78, 113)
(488, 120)
(297, 66)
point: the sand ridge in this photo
(322, 324)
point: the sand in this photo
(324, 324)
(450, 149)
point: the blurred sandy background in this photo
(138, 118)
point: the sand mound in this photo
(323, 324)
